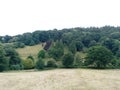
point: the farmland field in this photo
(61, 79)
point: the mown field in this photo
(61, 79)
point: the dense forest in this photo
(101, 47)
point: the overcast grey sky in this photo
(19, 16)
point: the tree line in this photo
(88, 36)
(101, 47)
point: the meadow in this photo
(29, 50)
(61, 79)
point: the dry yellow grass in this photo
(61, 79)
(29, 50)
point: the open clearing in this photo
(61, 79)
(29, 50)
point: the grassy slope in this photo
(29, 50)
(61, 79)
(33, 50)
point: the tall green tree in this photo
(79, 45)
(13, 57)
(3, 60)
(112, 44)
(57, 50)
(99, 57)
(40, 64)
(67, 37)
(68, 60)
(72, 47)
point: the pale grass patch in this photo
(61, 79)
(29, 50)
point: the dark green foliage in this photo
(96, 36)
(41, 54)
(115, 35)
(86, 40)
(116, 63)
(14, 60)
(13, 56)
(72, 47)
(19, 45)
(55, 34)
(16, 67)
(39, 64)
(2, 56)
(118, 53)
(26, 38)
(43, 36)
(92, 43)
(99, 57)
(68, 60)
(57, 50)
(6, 38)
(112, 45)
(79, 45)
(66, 35)
(32, 43)
(109, 43)
(66, 38)
(51, 63)
(116, 48)
(9, 58)
(2, 67)
(3, 60)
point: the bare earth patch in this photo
(61, 79)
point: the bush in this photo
(51, 63)
(28, 64)
(116, 63)
(39, 64)
(68, 60)
(41, 54)
(2, 67)
(30, 57)
(16, 67)
(4, 62)
(78, 61)
(19, 45)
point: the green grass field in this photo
(29, 50)
(61, 79)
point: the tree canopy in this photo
(99, 57)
